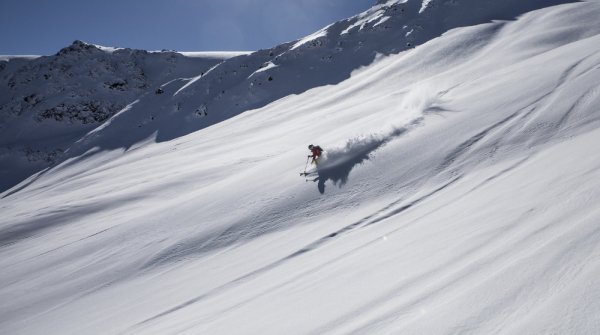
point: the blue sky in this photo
(42, 27)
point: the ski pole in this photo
(306, 166)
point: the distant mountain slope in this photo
(46, 103)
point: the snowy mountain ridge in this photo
(457, 194)
(85, 84)
(49, 102)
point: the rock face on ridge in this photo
(49, 102)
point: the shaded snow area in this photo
(458, 192)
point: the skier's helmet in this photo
(310, 147)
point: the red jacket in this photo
(316, 151)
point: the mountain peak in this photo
(77, 46)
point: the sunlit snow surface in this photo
(458, 194)
(11, 57)
(213, 54)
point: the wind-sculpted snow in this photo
(458, 194)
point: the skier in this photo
(316, 153)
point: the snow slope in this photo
(458, 195)
(53, 101)
(326, 57)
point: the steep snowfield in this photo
(458, 194)
(326, 57)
